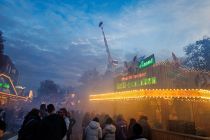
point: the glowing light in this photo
(130, 77)
(186, 94)
(15, 96)
(149, 61)
(72, 95)
(136, 83)
(3, 75)
(4, 85)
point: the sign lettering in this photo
(149, 61)
(136, 83)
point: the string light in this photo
(185, 94)
(13, 87)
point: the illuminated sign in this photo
(130, 77)
(4, 85)
(149, 61)
(136, 83)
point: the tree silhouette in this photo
(198, 54)
(1, 43)
(48, 87)
(1, 50)
(89, 76)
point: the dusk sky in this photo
(59, 40)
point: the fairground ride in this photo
(110, 61)
(8, 92)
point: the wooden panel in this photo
(168, 135)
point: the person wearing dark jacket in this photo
(137, 132)
(2, 128)
(130, 127)
(30, 127)
(53, 127)
(146, 132)
(72, 122)
(121, 131)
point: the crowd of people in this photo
(47, 124)
(104, 127)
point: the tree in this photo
(1, 43)
(89, 76)
(1, 50)
(198, 54)
(48, 87)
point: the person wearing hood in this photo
(109, 130)
(93, 131)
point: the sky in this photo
(59, 40)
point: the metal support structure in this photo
(110, 60)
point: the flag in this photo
(115, 62)
(134, 58)
(174, 57)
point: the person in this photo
(137, 132)
(77, 130)
(93, 131)
(104, 118)
(2, 123)
(130, 127)
(2, 115)
(43, 111)
(53, 127)
(30, 127)
(85, 121)
(143, 121)
(72, 122)
(2, 128)
(121, 131)
(69, 122)
(109, 130)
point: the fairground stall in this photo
(168, 93)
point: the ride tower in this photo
(110, 62)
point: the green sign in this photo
(136, 83)
(4, 85)
(149, 61)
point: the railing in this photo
(158, 134)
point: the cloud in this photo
(50, 39)
(158, 26)
(63, 67)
